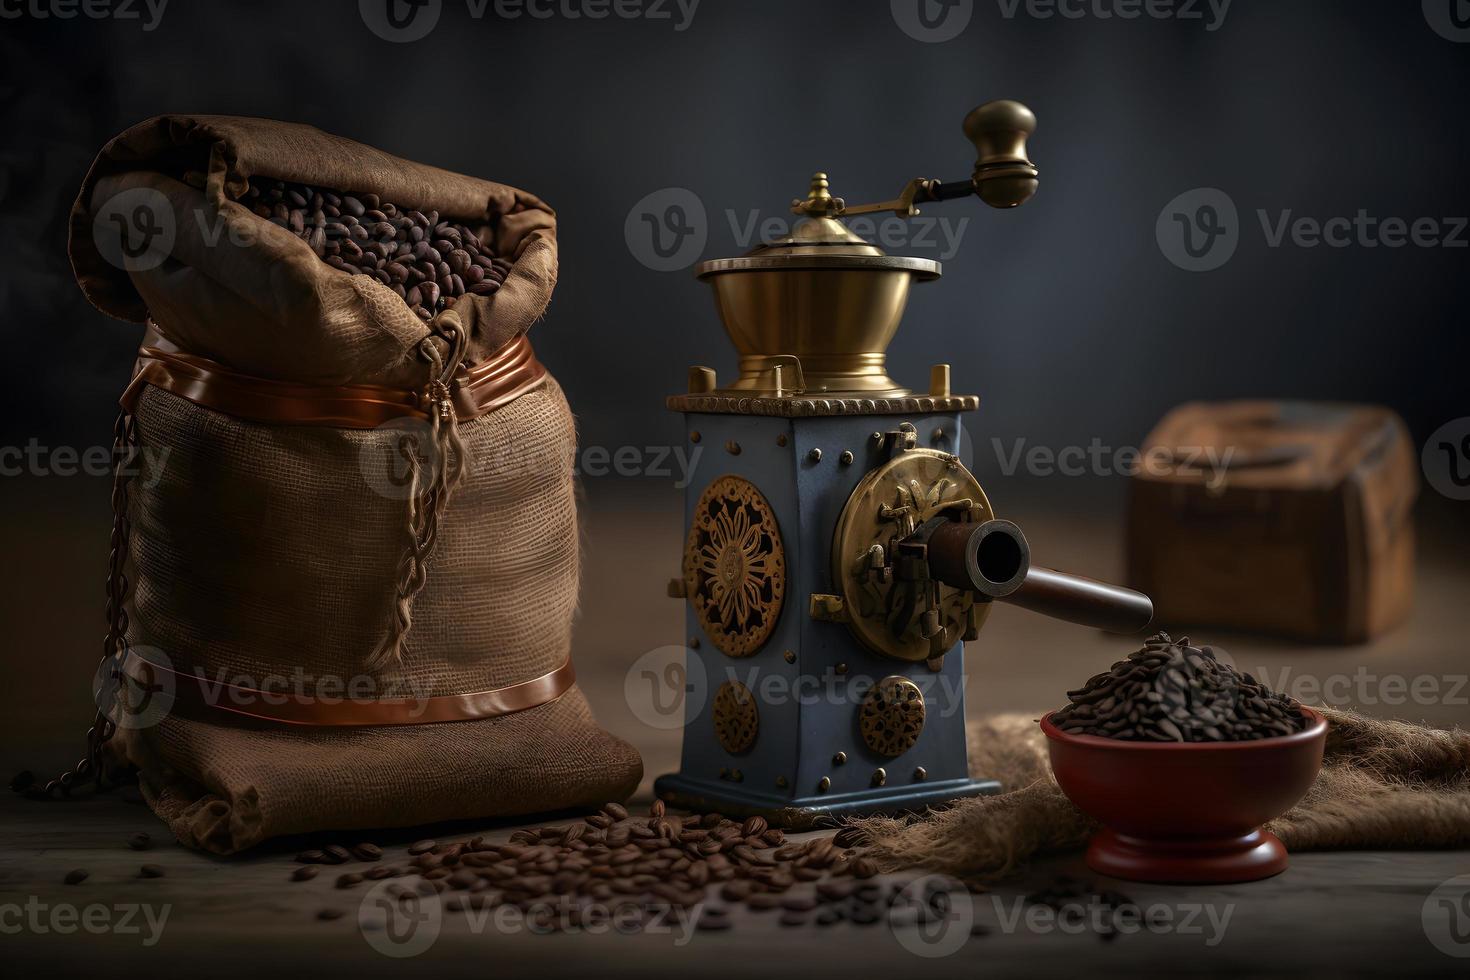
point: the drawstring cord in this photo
(428, 493)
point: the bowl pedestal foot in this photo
(1216, 860)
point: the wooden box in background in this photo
(1285, 518)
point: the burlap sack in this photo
(268, 556)
(1383, 784)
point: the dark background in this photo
(1065, 315)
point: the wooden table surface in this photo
(1345, 913)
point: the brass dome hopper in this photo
(813, 313)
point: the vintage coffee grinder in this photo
(838, 552)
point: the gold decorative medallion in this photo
(735, 566)
(889, 613)
(736, 718)
(892, 716)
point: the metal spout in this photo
(993, 559)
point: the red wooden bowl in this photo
(1186, 811)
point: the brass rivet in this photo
(732, 447)
(781, 439)
(937, 436)
(694, 436)
(790, 656)
(781, 782)
(824, 784)
(846, 458)
(920, 773)
(839, 759)
(876, 437)
(815, 455)
(694, 643)
(880, 776)
(840, 668)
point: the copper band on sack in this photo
(506, 375)
(151, 680)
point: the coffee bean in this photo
(422, 847)
(335, 854)
(75, 877)
(311, 857)
(1172, 691)
(327, 915)
(367, 852)
(616, 810)
(140, 841)
(305, 873)
(150, 871)
(657, 809)
(349, 879)
(357, 238)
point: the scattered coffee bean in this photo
(422, 847)
(335, 854)
(150, 871)
(75, 877)
(367, 852)
(305, 873)
(349, 880)
(311, 857)
(1173, 692)
(327, 915)
(140, 841)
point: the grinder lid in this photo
(818, 241)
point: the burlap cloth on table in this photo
(1383, 784)
(260, 550)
